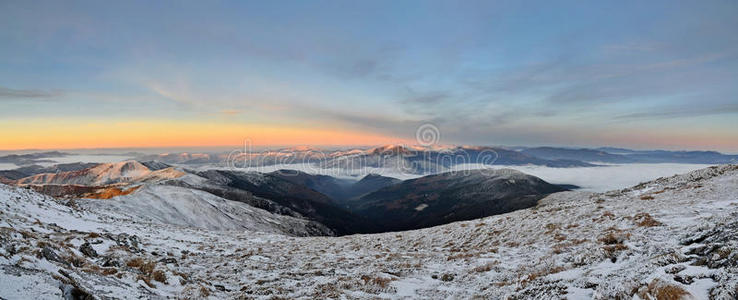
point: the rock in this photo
(686, 279)
(447, 277)
(168, 260)
(125, 240)
(10, 249)
(70, 292)
(675, 269)
(50, 255)
(87, 249)
(111, 262)
(220, 288)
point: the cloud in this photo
(679, 112)
(8, 93)
(231, 112)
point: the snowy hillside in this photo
(194, 208)
(670, 238)
(103, 174)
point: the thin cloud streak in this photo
(8, 93)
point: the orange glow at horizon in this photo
(66, 134)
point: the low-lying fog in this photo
(596, 179)
(74, 158)
(605, 178)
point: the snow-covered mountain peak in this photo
(129, 171)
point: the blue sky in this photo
(640, 74)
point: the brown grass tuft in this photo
(135, 263)
(645, 220)
(484, 268)
(204, 292)
(146, 267)
(159, 276)
(146, 280)
(661, 290)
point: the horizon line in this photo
(282, 146)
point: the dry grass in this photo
(605, 216)
(614, 236)
(146, 280)
(660, 290)
(485, 267)
(146, 267)
(204, 292)
(551, 227)
(378, 281)
(75, 260)
(611, 250)
(541, 273)
(645, 220)
(109, 271)
(647, 197)
(159, 276)
(135, 263)
(613, 241)
(460, 256)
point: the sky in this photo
(102, 74)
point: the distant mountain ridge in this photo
(341, 190)
(620, 155)
(26, 171)
(102, 174)
(31, 158)
(409, 159)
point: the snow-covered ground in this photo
(669, 238)
(194, 208)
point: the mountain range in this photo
(449, 197)
(619, 155)
(438, 159)
(406, 158)
(329, 205)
